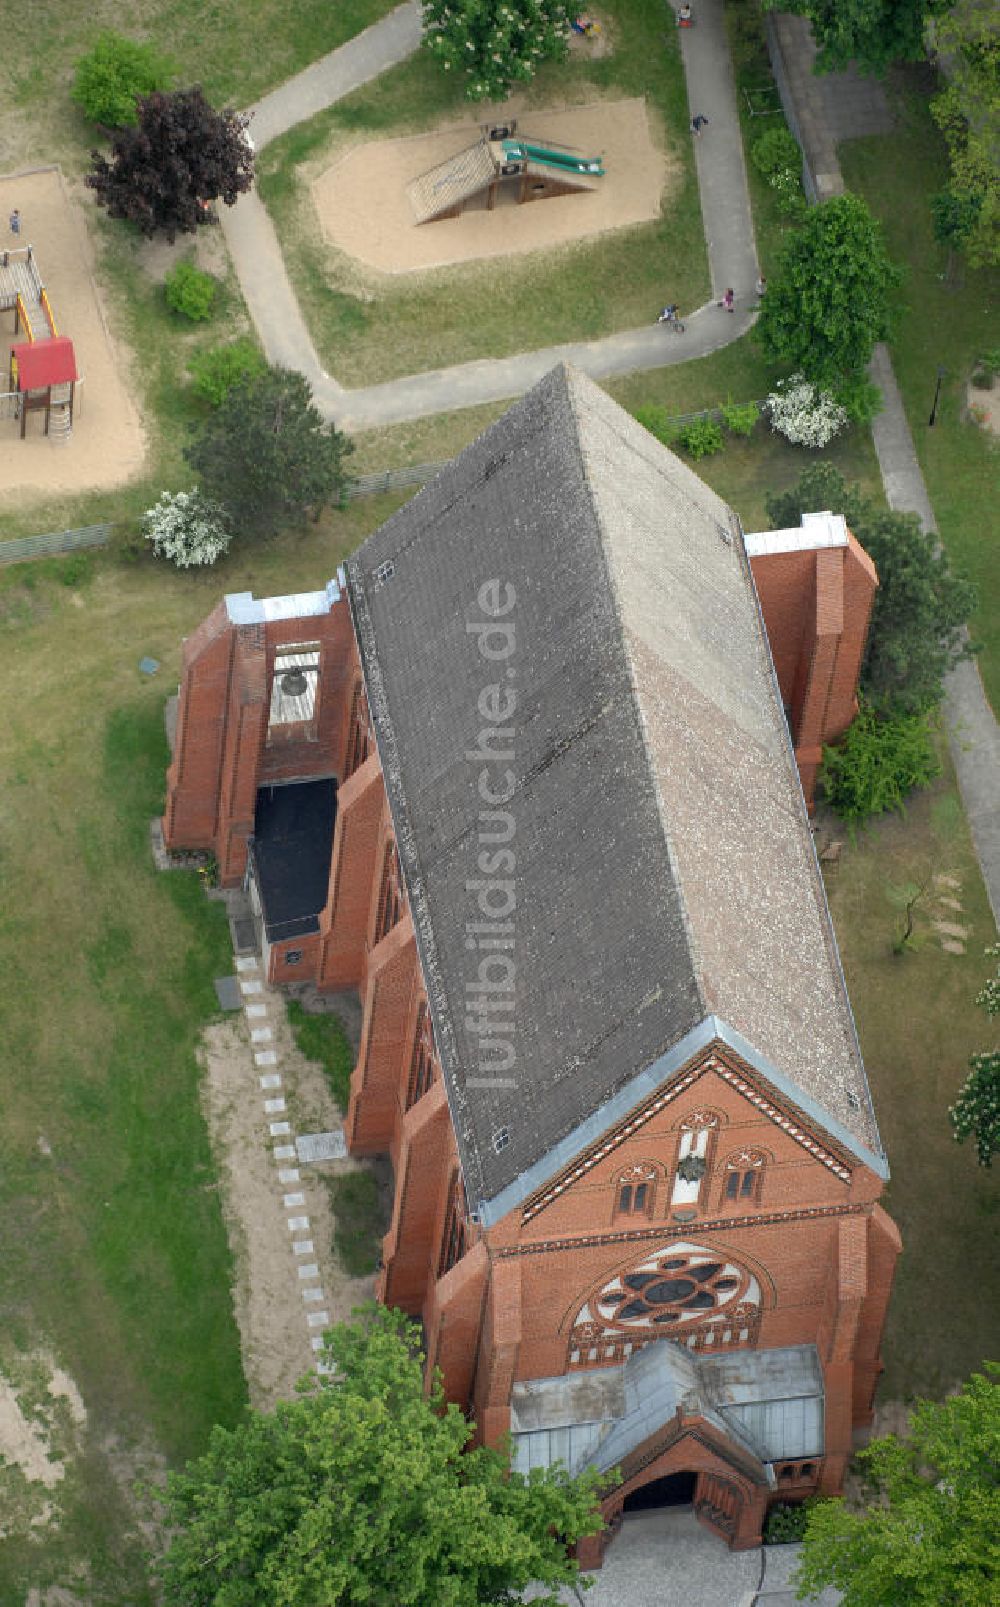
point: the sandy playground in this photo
(364, 210)
(107, 446)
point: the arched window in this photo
(694, 1157)
(635, 1190)
(423, 1060)
(359, 736)
(453, 1240)
(743, 1177)
(390, 895)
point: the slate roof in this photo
(664, 866)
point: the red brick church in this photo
(524, 775)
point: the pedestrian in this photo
(760, 286)
(684, 17)
(728, 300)
(15, 222)
(698, 122)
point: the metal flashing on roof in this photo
(646, 1083)
(242, 608)
(816, 530)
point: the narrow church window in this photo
(422, 1062)
(634, 1191)
(390, 897)
(744, 1176)
(359, 734)
(453, 1243)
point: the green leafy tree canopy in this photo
(181, 156)
(967, 45)
(266, 453)
(870, 33)
(832, 294)
(366, 1490)
(112, 74)
(921, 606)
(495, 43)
(931, 1535)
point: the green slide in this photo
(520, 151)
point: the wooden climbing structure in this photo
(43, 373)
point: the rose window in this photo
(682, 1285)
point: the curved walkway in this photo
(725, 205)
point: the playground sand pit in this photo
(364, 209)
(107, 446)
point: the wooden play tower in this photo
(42, 375)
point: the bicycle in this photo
(669, 317)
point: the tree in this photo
(921, 606)
(870, 33)
(495, 43)
(366, 1490)
(878, 762)
(110, 77)
(266, 453)
(976, 1112)
(967, 45)
(164, 173)
(187, 529)
(931, 1534)
(831, 296)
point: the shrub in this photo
(658, 422)
(879, 761)
(804, 414)
(358, 1224)
(190, 292)
(108, 79)
(322, 1038)
(740, 418)
(860, 398)
(217, 369)
(776, 151)
(186, 528)
(786, 1523)
(702, 438)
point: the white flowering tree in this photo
(186, 528)
(976, 1112)
(804, 414)
(495, 43)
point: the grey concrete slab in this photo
(227, 991)
(321, 1146)
(669, 1559)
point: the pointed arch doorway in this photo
(670, 1490)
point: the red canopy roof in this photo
(45, 362)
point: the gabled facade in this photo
(547, 820)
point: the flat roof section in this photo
(293, 840)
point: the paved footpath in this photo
(256, 252)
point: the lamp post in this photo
(937, 392)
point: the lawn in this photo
(918, 1025)
(236, 49)
(369, 327)
(946, 321)
(115, 1254)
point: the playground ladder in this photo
(60, 427)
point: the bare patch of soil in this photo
(984, 406)
(107, 446)
(364, 210)
(268, 1294)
